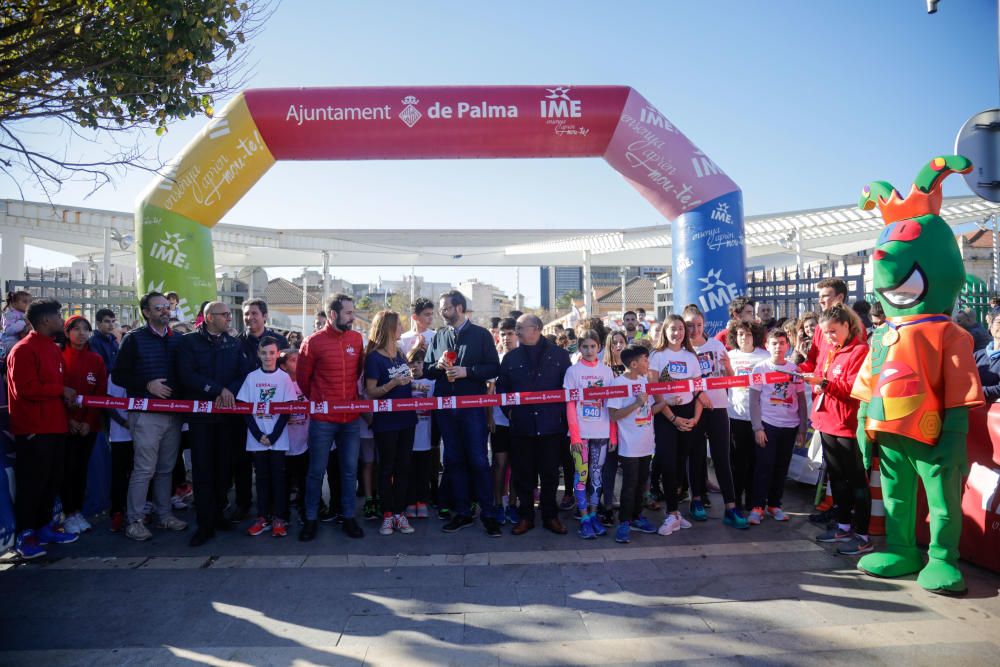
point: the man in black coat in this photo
(211, 366)
(537, 432)
(464, 431)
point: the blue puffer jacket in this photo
(145, 356)
(988, 363)
(207, 364)
(518, 372)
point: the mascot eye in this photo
(907, 230)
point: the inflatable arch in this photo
(175, 215)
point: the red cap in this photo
(72, 320)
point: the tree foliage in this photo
(566, 300)
(108, 66)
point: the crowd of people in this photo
(491, 465)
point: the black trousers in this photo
(635, 472)
(714, 425)
(211, 466)
(272, 486)
(395, 449)
(39, 467)
(771, 467)
(296, 468)
(122, 455)
(422, 467)
(673, 449)
(534, 458)
(74, 482)
(240, 467)
(848, 481)
(743, 452)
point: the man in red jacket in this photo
(330, 363)
(38, 398)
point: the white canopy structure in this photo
(770, 240)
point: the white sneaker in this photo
(755, 516)
(670, 525)
(83, 523)
(172, 523)
(386, 528)
(777, 514)
(402, 524)
(71, 525)
(137, 531)
(684, 523)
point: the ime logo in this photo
(557, 104)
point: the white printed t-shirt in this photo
(297, 427)
(591, 416)
(711, 358)
(739, 397)
(261, 388)
(679, 365)
(635, 432)
(779, 403)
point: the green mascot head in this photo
(918, 266)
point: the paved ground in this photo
(710, 594)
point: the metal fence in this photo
(793, 293)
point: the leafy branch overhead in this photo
(114, 65)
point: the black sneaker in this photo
(457, 523)
(370, 511)
(200, 537)
(444, 513)
(308, 533)
(352, 529)
(492, 527)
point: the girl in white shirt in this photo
(747, 341)
(674, 427)
(714, 362)
(591, 432)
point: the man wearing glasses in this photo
(211, 367)
(145, 369)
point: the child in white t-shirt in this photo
(297, 457)
(779, 418)
(747, 341)
(591, 432)
(422, 461)
(675, 426)
(634, 421)
(267, 440)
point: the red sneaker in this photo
(261, 525)
(117, 522)
(278, 528)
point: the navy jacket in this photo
(207, 364)
(107, 347)
(519, 373)
(251, 342)
(145, 356)
(477, 352)
(989, 373)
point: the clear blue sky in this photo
(801, 103)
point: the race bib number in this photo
(677, 368)
(591, 412)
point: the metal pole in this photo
(305, 302)
(622, 272)
(996, 253)
(413, 287)
(326, 280)
(588, 292)
(106, 264)
(517, 288)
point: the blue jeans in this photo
(321, 436)
(464, 433)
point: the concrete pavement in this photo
(770, 595)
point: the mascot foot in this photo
(942, 578)
(889, 564)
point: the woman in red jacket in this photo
(842, 351)
(86, 374)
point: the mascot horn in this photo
(919, 380)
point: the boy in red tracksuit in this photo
(85, 373)
(37, 392)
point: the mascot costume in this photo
(919, 380)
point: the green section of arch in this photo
(174, 254)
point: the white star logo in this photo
(172, 240)
(712, 280)
(558, 94)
